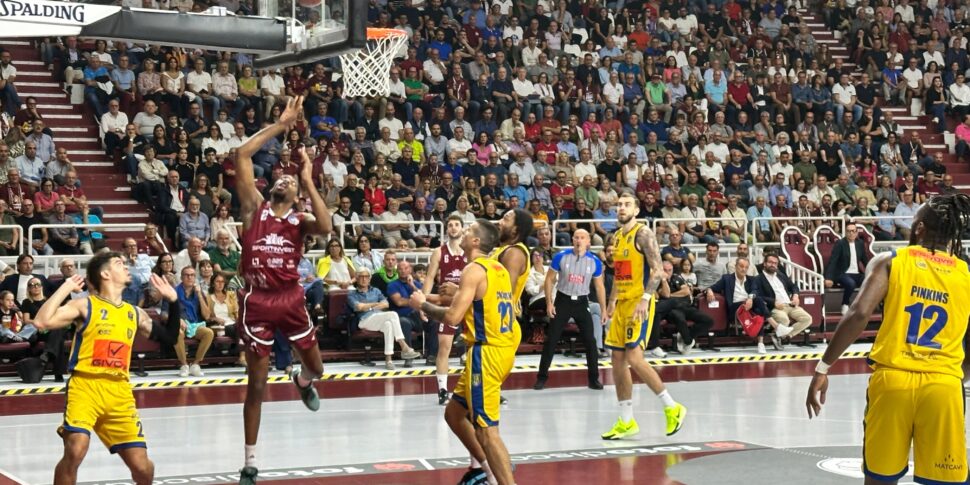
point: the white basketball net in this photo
(366, 72)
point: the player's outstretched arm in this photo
(52, 315)
(249, 197)
(321, 222)
(471, 277)
(873, 292)
(167, 334)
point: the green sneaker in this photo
(308, 394)
(622, 430)
(675, 418)
(247, 476)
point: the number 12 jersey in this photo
(926, 312)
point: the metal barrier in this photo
(97, 227)
(344, 224)
(804, 278)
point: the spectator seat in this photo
(795, 248)
(823, 243)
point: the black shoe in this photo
(539, 385)
(442, 397)
(430, 362)
(474, 476)
(595, 385)
(247, 476)
(58, 378)
(502, 401)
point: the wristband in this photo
(822, 367)
(646, 297)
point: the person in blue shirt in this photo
(93, 74)
(370, 307)
(443, 47)
(399, 294)
(513, 189)
(194, 307)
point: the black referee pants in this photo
(578, 310)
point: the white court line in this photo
(13, 477)
(426, 464)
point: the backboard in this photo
(319, 29)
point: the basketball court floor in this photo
(747, 424)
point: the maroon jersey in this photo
(450, 266)
(271, 249)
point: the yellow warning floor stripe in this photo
(338, 376)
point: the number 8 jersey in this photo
(925, 314)
(491, 320)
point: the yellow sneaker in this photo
(622, 430)
(675, 418)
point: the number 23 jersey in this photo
(491, 320)
(926, 312)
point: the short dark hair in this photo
(97, 264)
(488, 235)
(523, 226)
(24, 256)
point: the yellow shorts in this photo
(625, 333)
(105, 406)
(479, 387)
(926, 409)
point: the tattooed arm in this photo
(473, 284)
(647, 244)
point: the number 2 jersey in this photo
(491, 319)
(925, 314)
(102, 344)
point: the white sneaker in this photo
(845, 309)
(688, 348)
(658, 352)
(679, 342)
(761, 348)
(196, 370)
(783, 331)
(184, 371)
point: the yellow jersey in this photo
(520, 283)
(629, 265)
(491, 319)
(102, 344)
(925, 313)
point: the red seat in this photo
(823, 243)
(867, 239)
(717, 310)
(795, 247)
(11, 352)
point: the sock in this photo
(488, 473)
(443, 383)
(626, 410)
(251, 455)
(304, 378)
(475, 463)
(667, 399)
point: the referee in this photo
(575, 268)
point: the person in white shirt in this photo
(394, 126)
(238, 137)
(530, 53)
(459, 145)
(960, 97)
(113, 125)
(711, 169)
(199, 82)
(386, 146)
(522, 90)
(613, 93)
(523, 168)
(225, 87)
(905, 10)
(931, 54)
(334, 167)
(844, 98)
(584, 167)
(820, 190)
(273, 88)
(914, 81)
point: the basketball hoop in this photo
(366, 72)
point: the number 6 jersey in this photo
(925, 314)
(491, 320)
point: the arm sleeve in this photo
(554, 265)
(597, 267)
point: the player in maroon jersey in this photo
(445, 266)
(272, 299)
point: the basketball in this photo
(310, 3)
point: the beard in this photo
(278, 197)
(623, 220)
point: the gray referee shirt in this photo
(575, 272)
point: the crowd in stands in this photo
(723, 117)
